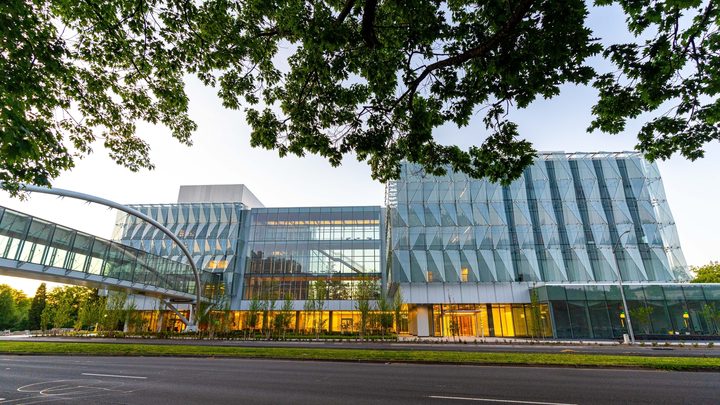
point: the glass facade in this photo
(467, 255)
(210, 231)
(498, 320)
(291, 249)
(569, 218)
(32, 240)
(596, 311)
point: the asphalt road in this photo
(156, 381)
(674, 351)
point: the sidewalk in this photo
(526, 341)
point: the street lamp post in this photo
(622, 290)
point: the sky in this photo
(221, 154)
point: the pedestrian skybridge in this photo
(34, 248)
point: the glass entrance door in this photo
(466, 325)
(459, 324)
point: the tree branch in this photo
(703, 21)
(349, 4)
(368, 24)
(520, 11)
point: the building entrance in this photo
(466, 325)
(458, 320)
(494, 320)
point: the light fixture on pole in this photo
(622, 290)
(620, 283)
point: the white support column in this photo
(423, 321)
(161, 321)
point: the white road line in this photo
(507, 401)
(116, 376)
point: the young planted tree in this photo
(92, 311)
(208, 319)
(319, 298)
(309, 309)
(116, 311)
(268, 301)
(384, 314)
(253, 312)
(364, 294)
(398, 305)
(284, 318)
(536, 326)
(454, 326)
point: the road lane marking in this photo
(116, 376)
(507, 401)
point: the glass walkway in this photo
(34, 248)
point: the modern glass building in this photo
(539, 257)
(292, 248)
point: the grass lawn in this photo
(406, 356)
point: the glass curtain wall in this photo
(568, 218)
(291, 250)
(596, 311)
(210, 231)
(32, 240)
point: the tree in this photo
(384, 313)
(116, 311)
(398, 304)
(268, 297)
(253, 312)
(14, 307)
(36, 307)
(215, 317)
(62, 311)
(337, 289)
(63, 305)
(8, 309)
(364, 293)
(536, 327)
(369, 77)
(642, 315)
(284, 318)
(92, 311)
(22, 307)
(317, 296)
(308, 308)
(46, 318)
(712, 316)
(709, 273)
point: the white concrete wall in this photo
(219, 193)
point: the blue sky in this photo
(222, 155)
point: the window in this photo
(464, 275)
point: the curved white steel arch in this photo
(112, 204)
